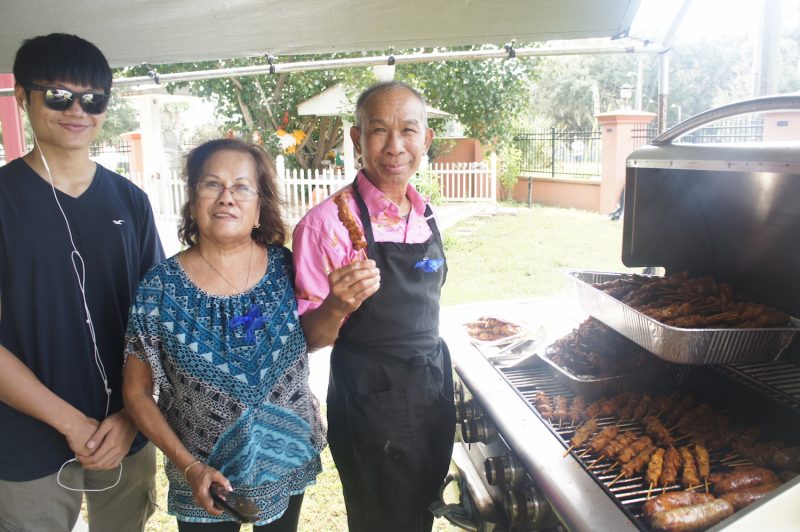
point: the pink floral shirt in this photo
(321, 244)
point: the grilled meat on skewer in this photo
(672, 465)
(690, 476)
(701, 459)
(602, 439)
(655, 466)
(656, 429)
(642, 443)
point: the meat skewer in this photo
(628, 453)
(615, 447)
(656, 429)
(703, 466)
(654, 468)
(690, 477)
(672, 464)
(603, 439)
(576, 409)
(349, 222)
(636, 464)
(582, 434)
(560, 410)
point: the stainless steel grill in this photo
(728, 212)
(632, 493)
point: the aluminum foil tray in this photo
(677, 345)
(650, 381)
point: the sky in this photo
(708, 17)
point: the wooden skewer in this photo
(692, 488)
(740, 463)
(612, 466)
(649, 490)
(568, 450)
(729, 457)
(615, 479)
(706, 483)
(584, 453)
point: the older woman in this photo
(214, 333)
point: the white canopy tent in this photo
(132, 32)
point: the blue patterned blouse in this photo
(231, 373)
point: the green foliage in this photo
(511, 164)
(120, 118)
(487, 97)
(427, 183)
(703, 74)
(440, 147)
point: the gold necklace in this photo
(247, 279)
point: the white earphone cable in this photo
(75, 257)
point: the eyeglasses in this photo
(213, 189)
(58, 99)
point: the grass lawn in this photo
(517, 253)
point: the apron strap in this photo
(363, 215)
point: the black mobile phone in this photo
(242, 508)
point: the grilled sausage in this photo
(675, 499)
(741, 498)
(745, 477)
(690, 518)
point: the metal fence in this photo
(733, 130)
(560, 153)
(114, 156)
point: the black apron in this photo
(391, 418)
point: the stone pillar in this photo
(617, 128)
(11, 122)
(781, 126)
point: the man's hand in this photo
(110, 443)
(79, 433)
(350, 285)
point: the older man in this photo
(390, 397)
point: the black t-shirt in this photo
(42, 320)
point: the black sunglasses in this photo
(58, 99)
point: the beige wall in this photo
(464, 150)
(571, 193)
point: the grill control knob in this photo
(528, 507)
(458, 390)
(467, 410)
(477, 430)
(504, 471)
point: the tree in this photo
(120, 118)
(486, 96)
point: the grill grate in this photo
(631, 493)
(779, 380)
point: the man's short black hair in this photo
(388, 86)
(61, 57)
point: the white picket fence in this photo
(468, 181)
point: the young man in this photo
(75, 238)
(390, 399)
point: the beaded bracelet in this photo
(188, 467)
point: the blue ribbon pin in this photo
(250, 321)
(429, 265)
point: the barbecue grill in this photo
(724, 211)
